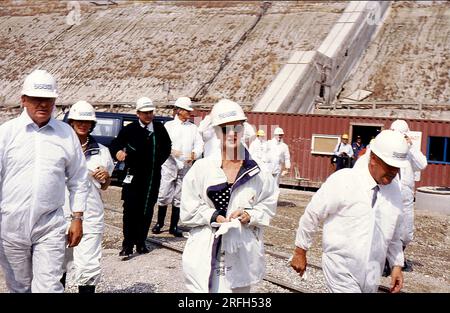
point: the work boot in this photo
(86, 289)
(174, 221)
(126, 251)
(142, 249)
(407, 266)
(162, 209)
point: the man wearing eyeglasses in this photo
(144, 146)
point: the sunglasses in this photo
(236, 128)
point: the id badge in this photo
(128, 179)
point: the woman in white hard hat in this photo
(83, 261)
(227, 202)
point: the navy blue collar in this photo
(92, 148)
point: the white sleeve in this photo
(77, 177)
(265, 205)
(108, 162)
(418, 160)
(198, 144)
(194, 211)
(324, 202)
(287, 157)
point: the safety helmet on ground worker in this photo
(260, 133)
(400, 126)
(345, 136)
(184, 103)
(82, 111)
(391, 147)
(278, 131)
(40, 83)
(144, 104)
(226, 111)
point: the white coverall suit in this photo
(279, 155)
(357, 238)
(255, 191)
(35, 163)
(259, 150)
(185, 138)
(83, 261)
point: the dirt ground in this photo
(429, 251)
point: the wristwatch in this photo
(77, 217)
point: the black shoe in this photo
(157, 229)
(86, 289)
(126, 252)
(407, 266)
(142, 249)
(176, 232)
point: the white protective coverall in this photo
(417, 162)
(212, 145)
(82, 262)
(279, 155)
(35, 163)
(357, 238)
(254, 190)
(185, 138)
(259, 150)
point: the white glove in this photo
(225, 227)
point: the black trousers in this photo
(343, 162)
(136, 222)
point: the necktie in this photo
(374, 196)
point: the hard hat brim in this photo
(229, 120)
(184, 108)
(40, 94)
(390, 161)
(145, 109)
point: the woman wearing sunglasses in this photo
(227, 201)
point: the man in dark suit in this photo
(144, 146)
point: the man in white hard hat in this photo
(82, 263)
(39, 156)
(361, 209)
(416, 163)
(187, 146)
(144, 146)
(279, 155)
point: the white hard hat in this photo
(400, 126)
(144, 104)
(278, 131)
(82, 111)
(226, 111)
(391, 147)
(40, 83)
(184, 103)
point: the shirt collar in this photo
(367, 179)
(149, 126)
(177, 119)
(26, 120)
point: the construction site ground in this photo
(161, 271)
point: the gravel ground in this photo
(160, 270)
